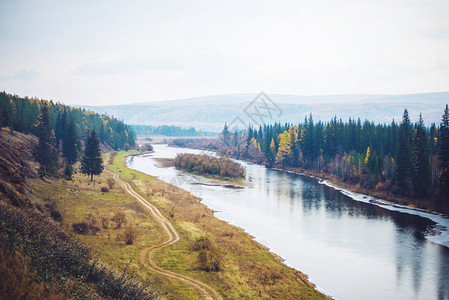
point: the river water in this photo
(349, 247)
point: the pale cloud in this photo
(22, 75)
(115, 52)
(130, 66)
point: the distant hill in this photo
(211, 112)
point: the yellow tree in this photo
(284, 150)
(272, 146)
(367, 156)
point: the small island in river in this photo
(218, 168)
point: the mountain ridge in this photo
(211, 112)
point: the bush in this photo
(94, 229)
(202, 243)
(68, 171)
(147, 147)
(104, 189)
(105, 222)
(269, 276)
(119, 218)
(212, 259)
(56, 215)
(111, 183)
(81, 228)
(111, 157)
(129, 235)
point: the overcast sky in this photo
(113, 52)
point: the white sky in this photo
(113, 52)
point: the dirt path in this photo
(146, 256)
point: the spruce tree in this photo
(271, 153)
(63, 124)
(443, 155)
(92, 163)
(44, 153)
(404, 155)
(58, 130)
(69, 145)
(421, 166)
(226, 135)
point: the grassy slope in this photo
(41, 259)
(250, 271)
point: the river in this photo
(350, 248)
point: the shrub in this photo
(105, 222)
(81, 228)
(147, 147)
(111, 157)
(269, 276)
(68, 171)
(119, 218)
(94, 229)
(202, 243)
(111, 183)
(129, 235)
(212, 259)
(56, 215)
(104, 189)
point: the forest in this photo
(209, 165)
(168, 130)
(22, 114)
(400, 159)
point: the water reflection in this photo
(443, 275)
(350, 249)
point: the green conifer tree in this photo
(443, 155)
(44, 152)
(70, 142)
(421, 166)
(92, 163)
(226, 135)
(404, 156)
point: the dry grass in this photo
(248, 270)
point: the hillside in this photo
(21, 114)
(211, 112)
(58, 260)
(38, 259)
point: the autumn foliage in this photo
(209, 165)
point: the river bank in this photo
(428, 205)
(385, 197)
(250, 270)
(319, 229)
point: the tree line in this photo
(403, 158)
(61, 130)
(167, 130)
(22, 114)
